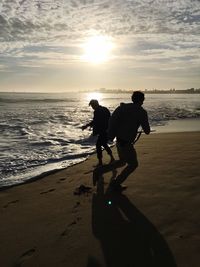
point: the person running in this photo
(100, 127)
(124, 124)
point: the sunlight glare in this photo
(94, 95)
(97, 49)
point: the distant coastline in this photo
(116, 91)
(150, 91)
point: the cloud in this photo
(37, 33)
(55, 20)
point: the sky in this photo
(72, 45)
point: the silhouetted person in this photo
(100, 127)
(124, 124)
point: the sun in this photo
(97, 49)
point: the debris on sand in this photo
(82, 189)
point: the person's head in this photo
(94, 103)
(138, 97)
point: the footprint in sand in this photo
(25, 256)
(88, 172)
(48, 191)
(68, 229)
(11, 202)
(75, 210)
(76, 205)
(61, 180)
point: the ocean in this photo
(40, 133)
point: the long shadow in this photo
(127, 237)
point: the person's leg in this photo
(99, 150)
(125, 173)
(104, 143)
(109, 151)
(128, 154)
(120, 152)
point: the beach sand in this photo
(154, 222)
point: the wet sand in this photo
(155, 222)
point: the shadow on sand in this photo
(127, 237)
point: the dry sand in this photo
(155, 222)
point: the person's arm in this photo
(90, 124)
(145, 123)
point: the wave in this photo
(30, 100)
(40, 169)
(31, 175)
(161, 115)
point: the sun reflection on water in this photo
(94, 95)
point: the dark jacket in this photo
(126, 120)
(100, 120)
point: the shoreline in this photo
(174, 126)
(180, 126)
(41, 175)
(45, 224)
